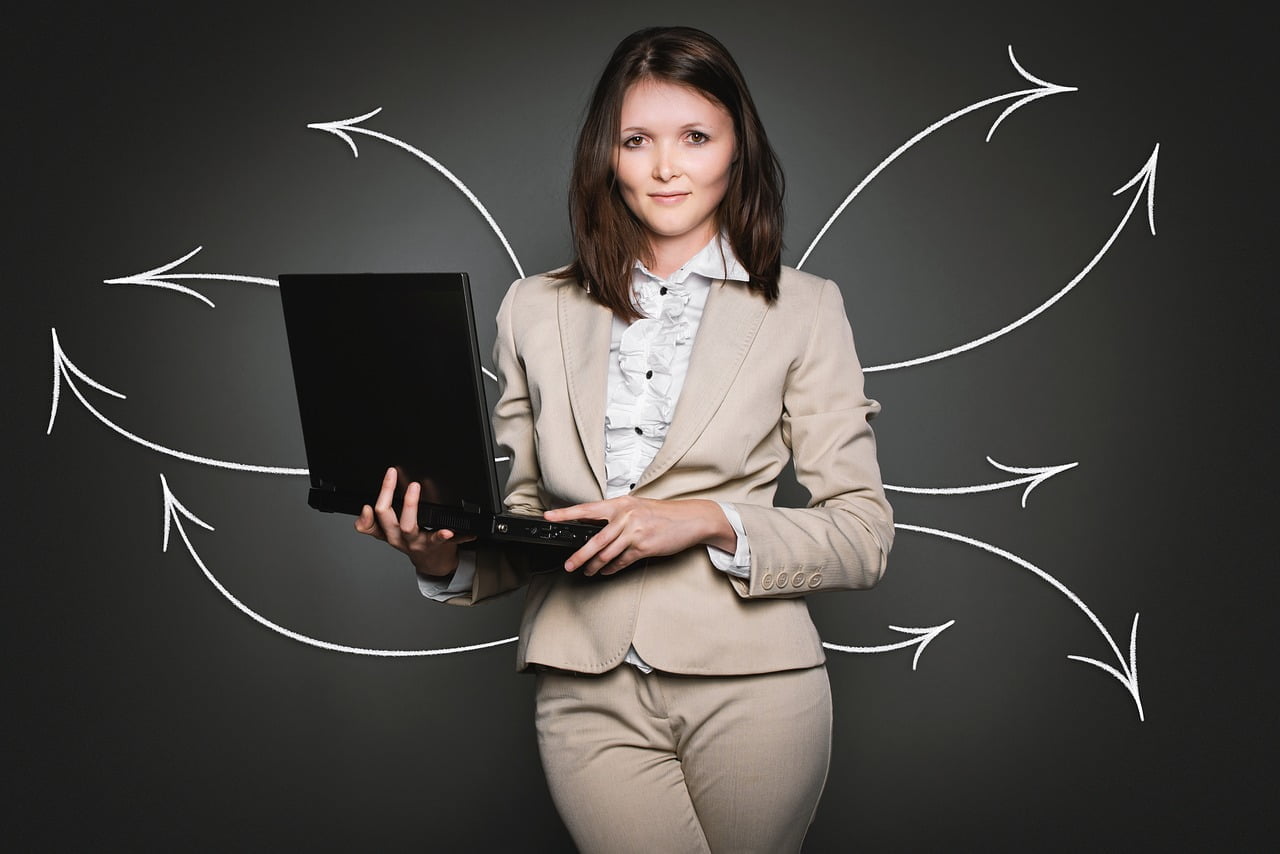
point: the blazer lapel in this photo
(729, 324)
(585, 328)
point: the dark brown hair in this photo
(607, 238)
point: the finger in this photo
(390, 525)
(621, 562)
(590, 510)
(409, 512)
(366, 524)
(387, 492)
(441, 536)
(606, 556)
(459, 539)
(590, 548)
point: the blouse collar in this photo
(713, 261)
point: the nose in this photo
(665, 165)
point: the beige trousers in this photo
(651, 763)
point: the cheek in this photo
(717, 178)
(717, 167)
(629, 171)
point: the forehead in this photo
(650, 103)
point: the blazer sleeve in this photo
(841, 540)
(500, 569)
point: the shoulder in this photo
(530, 295)
(541, 286)
(533, 304)
(804, 293)
(798, 280)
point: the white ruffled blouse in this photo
(649, 359)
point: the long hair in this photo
(607, 237)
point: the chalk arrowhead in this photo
(1146, 180)
(64, 368)
(155, 279)
(926, 637)
(174, 508)
(1043, 472)
(1045, 89)
(339, 128)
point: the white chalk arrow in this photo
(342, 129)
(174, 511)
(1024, 96)
(1145, 179)
(160, 277)
(64, 370)
(1128, 670)
(1034, 477)
(922, 639)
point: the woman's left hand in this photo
(644, 527)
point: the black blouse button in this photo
(632, 486)
(663, 290)
(639, 432)
(648, 375)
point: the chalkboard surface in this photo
(1047, 238)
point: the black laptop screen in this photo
(387, 374)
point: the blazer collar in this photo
(729, 325)
(585, 327)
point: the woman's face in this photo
(675, 148)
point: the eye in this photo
(633, 141)
(697, 137)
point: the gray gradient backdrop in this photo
(146, 710)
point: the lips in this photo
(668, 198)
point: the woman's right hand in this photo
(432, 552)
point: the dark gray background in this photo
(145, 709)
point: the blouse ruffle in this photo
(640, 410)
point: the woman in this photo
(660, 383)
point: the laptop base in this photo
(502, 527)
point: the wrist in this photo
(438, 568)
(718, 532)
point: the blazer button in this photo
(797, 580)
(767, 581)
(815, 580)
(782, 579)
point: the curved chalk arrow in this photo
(922, 639)
(160, 277)
(64, 369)
(1146, 181)
(1024, 96)
(174, 510)
(1034, 477)
(1128, 671)
(340, 129)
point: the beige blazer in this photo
(765, 383)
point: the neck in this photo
(670, 253)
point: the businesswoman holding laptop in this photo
(660, 383)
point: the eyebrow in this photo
(689, 126)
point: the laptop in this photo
(387, 371)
